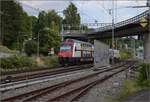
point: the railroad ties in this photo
(71, 90)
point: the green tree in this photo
(55, 35)
(52, 17)
(34, 24)
(48, 27)
(45, 19)
(15, 24)
(31, 47)
(72, 17)
(49, 38)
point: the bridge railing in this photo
(135, 19)
(132, 20)
(68, 32)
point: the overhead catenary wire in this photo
(82, 12)
(104, 8)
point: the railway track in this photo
(25, 76)
(56, 75)
(69, 90)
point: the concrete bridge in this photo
(129, 27)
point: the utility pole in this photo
(38, 42)
(62, 31)
(148, 4)
(113, 27)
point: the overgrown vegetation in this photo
(51, 61)
(143, 79)
(126, 53)
(132, 86)
(17, 62)
(129, 87)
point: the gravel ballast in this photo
(70, 76)
(99, 93)
(104, 91)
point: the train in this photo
(74, 52)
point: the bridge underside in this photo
(128, 30)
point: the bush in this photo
(17, 62)
(51, 61)
(7, 63)
(126, 54)
(27, 62)
(144, 75)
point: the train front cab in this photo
(65, 54)
(75, 53)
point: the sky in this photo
(89, 10)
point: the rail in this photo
(33, 95)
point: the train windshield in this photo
(65, 47)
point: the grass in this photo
(129, 87)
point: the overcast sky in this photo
(89, 10)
